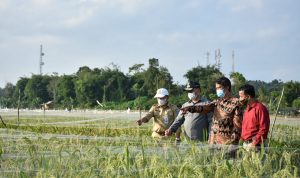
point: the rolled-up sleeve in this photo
(149, 115)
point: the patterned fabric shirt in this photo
(163, 117)
(226, 121)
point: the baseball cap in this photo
(161, 93)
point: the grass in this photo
(118, 148)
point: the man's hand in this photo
(139, 122)
(186, 109)
(250, 147)
(168, 132)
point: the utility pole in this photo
(41, 59)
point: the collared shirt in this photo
(163, 116)
(196, 126)
(226, 120)
(256, 123)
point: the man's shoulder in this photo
(173, 106)
(188, 103)
(260, 105)
(154, 107)
(234, 101)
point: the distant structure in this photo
(233, 65)
(218, 58)
(47, 106)
(207, 58)
(41, 60)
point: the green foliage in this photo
(292, 91)
(116, 90)
(296, 103)
(237, 80)
(36, 91)
(6, 99)
(206, 76)
(111, 148)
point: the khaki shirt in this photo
(163, 117)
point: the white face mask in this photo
(192, 96)
(161, 102)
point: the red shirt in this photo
(256, 123)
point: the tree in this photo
(151, 77)
(206, 76)
(36, 90)
(292, 91)
(237, 80)
(262, 95)
(65, 93)
(6, 98)
(136, 68)
(296, 103)
(20, 86)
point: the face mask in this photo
(220, 93)
(192, 95)
(244, 101)
(161, 102)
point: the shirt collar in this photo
(253, 104)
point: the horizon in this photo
(94, 33)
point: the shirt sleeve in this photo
(178, 122)
(206, 108)
(209, 119)
(149, 115)
(264, 124)
(237, 124)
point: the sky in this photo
(264, 35)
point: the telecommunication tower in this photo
(41, 60)
(218, 58)
(233, 65)
(207, 58)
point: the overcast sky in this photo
(265, 35)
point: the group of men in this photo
(223, 121)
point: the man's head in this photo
(223, 87)
(162, 96)
(246, 93)
(193, 89)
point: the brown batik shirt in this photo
(226, 120)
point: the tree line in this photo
(114, 89)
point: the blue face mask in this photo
(220, 93)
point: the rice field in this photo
(95, 143)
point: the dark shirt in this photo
(196, 126)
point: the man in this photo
(196, 126)
(227, 118)
(163, 113)
(256, 119)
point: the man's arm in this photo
(177, 123)
(264, 124)
(237, 124)
(147, 117)
(209, 119)
(203, 109)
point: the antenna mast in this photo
(41, 59)
(207, 58)
(218, 58)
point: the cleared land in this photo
(109, 144)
